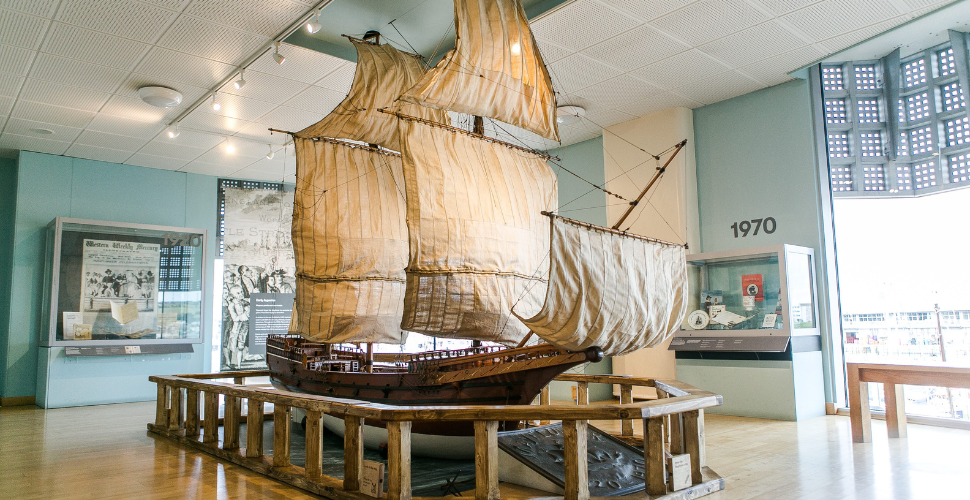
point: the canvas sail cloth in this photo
(617, 292)
(382, 74)
(495, 70)
(350, 242)
(478, 240)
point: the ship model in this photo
(403, 222)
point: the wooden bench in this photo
(893, 377)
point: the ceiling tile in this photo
(143, 160)
(316, 99)
(125, 126)
(15, 60)
(219, 156)
(609, 117)
(577, 72)
(52, 114)
(93, 47)
(551, 52)
(40, 8)
(21, 30)
(183, 68)
(581, 24)
(235, 106)
(168, 148)
(211, 41)
(111, 141)
(774, 70)
(127, 19)
(681, 69)
(618, 92)
(77, 73)
(709, 20)
(12, 141)
(340, 80)
(10, 85)
(753, 44)
(264, 87)
(659, 102)
(781, 7)
(6, 105)
(302, 65)
(135, 81)
(63, 95)
(266, 18)
(21, 126)
(635, 48)
(175, 5)
(279, 166)
(136, 109)
(254, 150)
(257, 175)
(292, 119)
(209, 122)
(851, 38)
(191, 139)
(720, 87)
(198, 167)
(95, 153)
(833, 18)
(648, 10)
(260, 132)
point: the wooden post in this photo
(577, 471)
(895, 410)
(314, 444)
(230, 423)
(399, 460)
(582, 393)
(353, 452)
(676, 435)
(239, 380)
(544, 399)
(161, 412)
(693, 441)
(254, 429)
(653, 456)
(281, 436)
(210, 426)
(859, 416)
(191, 413)
(626, 397)
(486, 460)
(175, 409)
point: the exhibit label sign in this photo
(269, 314)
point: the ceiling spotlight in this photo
(215, 105)
(314, 25)
(173, 131)
(229, 147)
(271, 153)
(241, 81)
(569, 114)
(161, 97)
(277, 56)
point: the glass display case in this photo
(110, 283)
(752, 300)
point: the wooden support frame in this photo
(210, 426)
(626, 397)
(192, 422)
(353, 452)
(314, 444)
(582, 393)
(175, 409)
(654, 463)
(693, 442)
(281, 436)
(254, 429)
(486, 460)
(545, 399)
(577, 471)
(399, 460)
(895, 410)
(230, 431)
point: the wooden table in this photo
(893, 377)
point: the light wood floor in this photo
(104, 452)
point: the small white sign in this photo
(748, 302)
(715, 310)
(372, 479)
(769, 321)
(680, 472)
(132, 349)
(71, 319)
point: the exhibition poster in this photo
(119, 276)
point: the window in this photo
(917, 107)
(914, 73)
(959, 168)
(920, 141)
(946, 63)
(835, 111)
(904, 179)
(874, 178)
(865, 77)
(841, 178)
(868, 111)
(838, 145)
(832, 78)
(956, 131)
(952, 96)
(870, 144)
(924, 174)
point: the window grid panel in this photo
(868, 111)
(841, 178)
(832, 78)
(901, 112)
(960, 168)
(839, 145)
(924, 174)
(904, 179)
(957, 131)
(835, 111)
(946, 62)
(918, 106)
(870, 144)
(865, 78)
(902, 147)
(920, 141)
(952, 96)
(874, 178)
(914, 73)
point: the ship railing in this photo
(187, 412)
(484, 356)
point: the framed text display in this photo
(112, 283)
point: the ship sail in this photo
(611, 290)
(495, 70)
(477, 237)
(382, 74)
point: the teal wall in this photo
(756, 157)
(58, 186)
(578, 200)
(8, 209)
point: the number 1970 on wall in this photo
(753, 226)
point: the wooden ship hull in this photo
(478, 376)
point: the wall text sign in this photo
(766, 225)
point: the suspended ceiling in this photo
(73, 67)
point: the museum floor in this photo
(104, 452)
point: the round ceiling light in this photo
(160, 97)
(569, 114)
